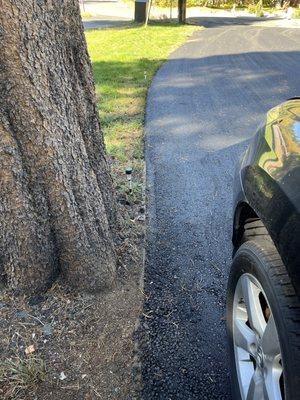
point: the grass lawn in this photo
(124, 61)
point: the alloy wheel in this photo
(256, 343)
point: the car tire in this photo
(258, 258)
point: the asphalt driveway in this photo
(203, 106)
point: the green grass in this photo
(18, 375)
(124, 61)
(86, 15)
(296, 13)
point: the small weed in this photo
(17, 375)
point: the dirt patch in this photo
(63, 345)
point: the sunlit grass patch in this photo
(124, 61)
(86, 15)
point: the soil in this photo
(78, 345)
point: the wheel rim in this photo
(256, 344)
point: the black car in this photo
(263, 297)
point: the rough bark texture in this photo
(182, 11)
(56, 199)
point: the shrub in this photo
(256, 9)
(252, 8)
(296, 13)
(167, 3)
(223, 4)
(196, 3)
(259, 9)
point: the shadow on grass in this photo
(115, 73)
(122, 88)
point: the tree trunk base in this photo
(57, 203)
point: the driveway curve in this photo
(203, 106)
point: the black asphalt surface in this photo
(203, 106)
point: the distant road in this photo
(104, 22)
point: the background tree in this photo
(182, 11)
(294, 3)
(56, 198)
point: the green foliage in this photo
(252, 8)
(269, 3)
(270, 10)
(259, 9)
(223, 5)
(218, 4)
(173, 3)
(296, 13)
(189, 3)
(86, 15)
(256, 9)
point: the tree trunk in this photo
(182, 11)
(56, 200)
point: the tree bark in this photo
(182, 11)
(56, 200)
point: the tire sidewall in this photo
(250, 259)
